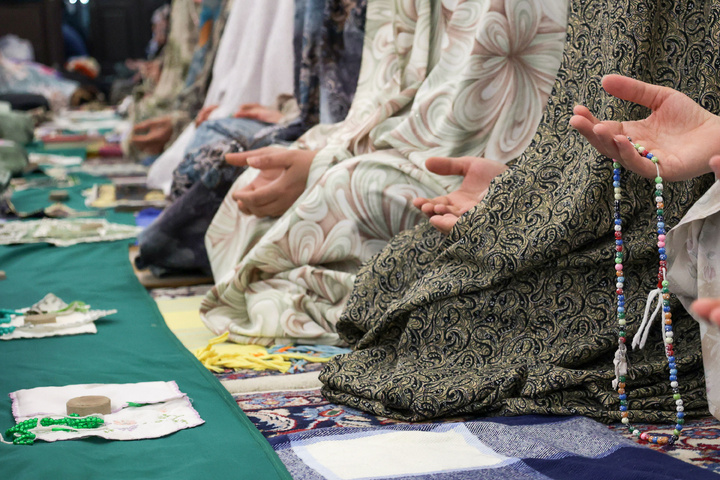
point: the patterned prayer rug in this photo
(699, 443)
(281, 413)
(524, 447)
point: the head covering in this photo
(514, 312)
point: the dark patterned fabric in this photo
(514, 312)
(206, 163)
(175, 241)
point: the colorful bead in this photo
(663, 285)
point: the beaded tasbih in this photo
(663, 286)
(21, 433)
(5, 317)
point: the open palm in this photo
(681, 133)
(445, 210)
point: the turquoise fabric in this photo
(133, 345)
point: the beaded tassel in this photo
(21, 434)
(5, 317)
(663, 285)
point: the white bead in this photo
(618, 190)
(680, 409)
(658, 199)
(618, 228)
(625, 420)
(668, 340)
(669, 334)
(622, 322)
(619, 285)
(618, 196)
(679, 403)
(674, 384)
(658, 186)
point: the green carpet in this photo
(133, 345)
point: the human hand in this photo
(444, 211)
(681, 133)
(150, 70)
(255, 111)
(282, 179)
(707, 308)
(204, 114)
(151, 135)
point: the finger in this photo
(584, 124)
(428, 209)
(238, 159)
(151, 137)
(273, 209)
(626, 88)
(604, 141)
(703, 307)
(715, 165)
(445, 209)
(243, 208)
(448, 166)
(144, 125)
(419, 202)
(583, 111)
(444, 223)
(250, 114)
(277, 159)
(632, 160)
(236, 194)
(248, 106)
(260, 197)
(715, 316)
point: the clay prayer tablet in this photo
(41, 318)
(59, 196)
(89, 405)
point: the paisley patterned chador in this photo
(514, 311)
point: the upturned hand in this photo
(282, 179)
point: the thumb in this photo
(626, 88)
(144, 125)
(448, 166)
(715, 165)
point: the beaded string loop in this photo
(5, 317)
(663, 284)
(21, 433)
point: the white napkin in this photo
(165, 410)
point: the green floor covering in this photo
(133, 345)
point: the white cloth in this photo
(254, 64)
(168, 410)
(76, 323)
(693, 248)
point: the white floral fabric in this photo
(139, 410)
(449, 78)
(693, 267)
